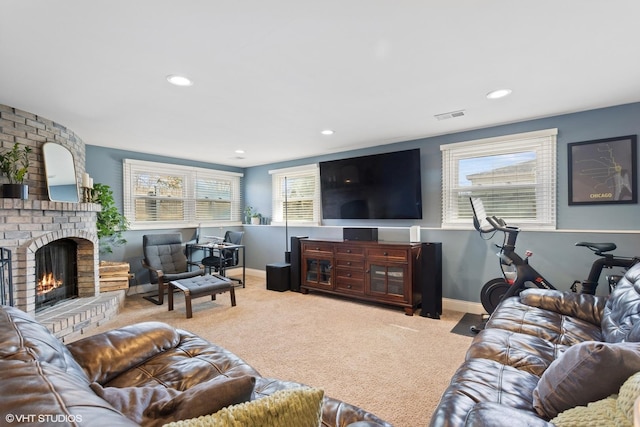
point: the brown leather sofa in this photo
(543, 353)
(44, 382)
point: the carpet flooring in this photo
(376, 357)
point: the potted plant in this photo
(14, 164)
(251, 216)
(249, 211)
(110, 222)
(256, 218)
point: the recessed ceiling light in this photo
(178, 80)
(239, 151)
(500, 93)
(327, 132)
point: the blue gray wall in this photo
(468, 260)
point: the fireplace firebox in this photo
(56, 273)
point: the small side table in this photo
(279, 276)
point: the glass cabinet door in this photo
(318, 272)
(387, 281)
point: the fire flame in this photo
(47, 283)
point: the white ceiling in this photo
(271, 74)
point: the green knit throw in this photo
(299, 407)
(615, 410)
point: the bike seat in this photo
(598, 248)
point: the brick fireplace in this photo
(28, 225)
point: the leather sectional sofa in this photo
(544, 356)
(151, 372)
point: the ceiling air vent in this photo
(449, 115)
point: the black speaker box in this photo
(361, 234)
(278, 276)
(431, 280)
(295, 260)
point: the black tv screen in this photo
(379, 186)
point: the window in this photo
(296, 195)
(158, 194)
(514, 175)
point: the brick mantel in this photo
(47, 205)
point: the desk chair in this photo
(166, 261)
(225, 257)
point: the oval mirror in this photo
(61, 173)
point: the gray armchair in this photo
(166, 261)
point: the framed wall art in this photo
(603, 171)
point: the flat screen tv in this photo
(379, 186)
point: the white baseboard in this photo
(462, 306)
(237, 272)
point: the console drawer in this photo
(388, 254)
(350, 280)
(350, 250)
(356, 264)
(317, 248)
(349, 274)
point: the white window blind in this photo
(514, 175)
(296, 195)
(158, 194)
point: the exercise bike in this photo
(518, 274)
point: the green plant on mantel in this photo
(14, 163)
(110, 222)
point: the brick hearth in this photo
(70, 319)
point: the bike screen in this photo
(480, 216)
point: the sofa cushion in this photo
(621, 313)
(105, 356)
(158, 405)
(483, 380)
(497, 415)
(192, 361)
(23, 338)
(47, 395)
(615, 410)
(634, 333)
(556, 327)
(524, 352)
(300, 407)
(581, 306)
(585, 373)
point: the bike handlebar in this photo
(499, 224)
(479, 216)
